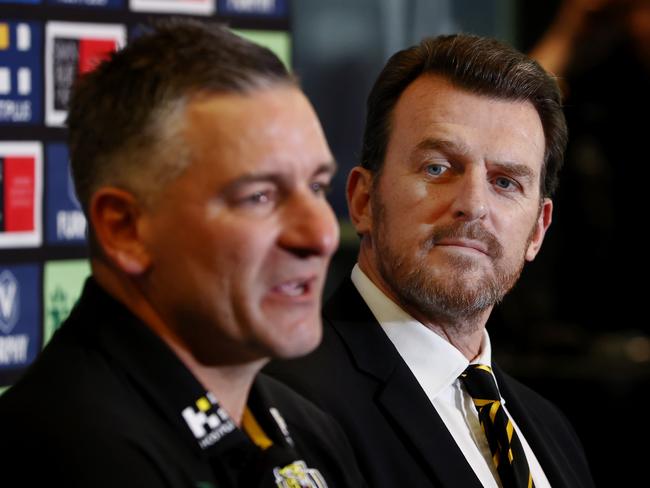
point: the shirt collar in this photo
(435, 362)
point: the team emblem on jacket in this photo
(298, 475)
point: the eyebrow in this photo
(511, 168)
(515, 169)
(441, 145)
(329, 167)
(277, 178)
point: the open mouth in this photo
(293, 288)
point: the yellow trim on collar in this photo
(254, 431)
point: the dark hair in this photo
(479, 65)
(125, 116)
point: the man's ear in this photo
(115, 217)
(358, 195)
(539, 231)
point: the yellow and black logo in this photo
(298, 475)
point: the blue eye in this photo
(436, 169)
(504, 183)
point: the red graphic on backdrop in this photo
(19, 187)
(94, 51)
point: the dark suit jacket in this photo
(358, 376)
(102, 408)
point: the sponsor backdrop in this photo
(44, 45)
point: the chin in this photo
(299, 343)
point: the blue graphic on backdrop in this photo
(20, 304)
(89, 3)
(64, 220)
(257, 8)
(21, 72)
(31, 2)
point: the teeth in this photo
(293, 288)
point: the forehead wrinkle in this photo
(443, 145)
(277, 178)
(252, 177)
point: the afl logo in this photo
(9, 301)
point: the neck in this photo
(465, 333)
(230, 383)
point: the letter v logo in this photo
(8, 301)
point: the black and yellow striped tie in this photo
(507, 451)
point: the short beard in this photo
(447, 300)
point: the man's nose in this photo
(310, 226)
(471, 197)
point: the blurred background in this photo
(574, 328)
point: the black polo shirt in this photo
(108, 404)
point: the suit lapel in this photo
(401, 398)
(411, 411)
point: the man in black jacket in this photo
(202, 169)
(463, 142)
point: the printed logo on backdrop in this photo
(198, 7)
(21, 74)
(30, 2)
(21, 193)
(9, 301)
(259, 8)
(19, 315)
(62, 285)
(89, 3)
(64, 221)
(72, 49)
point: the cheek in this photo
(517, 239)
(430, 203)
(409, 205)
(228, 237)
(243, 253)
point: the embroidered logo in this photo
(298, 475)
(282, 425)
(207, 420)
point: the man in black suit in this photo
(463, 142)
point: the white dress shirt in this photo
(436, 365)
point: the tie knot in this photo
(480, 383)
